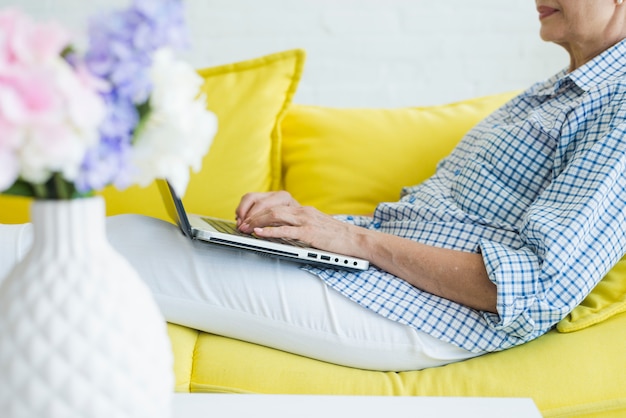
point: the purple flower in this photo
(105, 164)
(167, 21)
(121, 46)
(121, 118)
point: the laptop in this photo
(224, 232)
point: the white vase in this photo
(80, 335)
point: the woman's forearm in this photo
(455, 275)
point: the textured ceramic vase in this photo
(80, 335)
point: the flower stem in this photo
(40, 190)
(60, 186)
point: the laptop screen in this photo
(174, 207)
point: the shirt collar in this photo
(607, 66)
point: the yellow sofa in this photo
(345, 161)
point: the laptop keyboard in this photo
(224, 226)
(228, 227)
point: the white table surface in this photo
(310, 406)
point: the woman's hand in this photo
(252, 204)
(278, 215)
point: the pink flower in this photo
(27, 97)
(23, 42)
(49, 111)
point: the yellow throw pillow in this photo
(249, 99)
(345, 161)
(608, 298)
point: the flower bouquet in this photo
(80, 334)
(123, 112)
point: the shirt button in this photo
(457, 172)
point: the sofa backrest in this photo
(346, 161)
(338, 160)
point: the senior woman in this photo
(514, 229)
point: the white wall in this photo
(381, 53)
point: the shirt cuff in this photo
(514, 272)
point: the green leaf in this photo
(20, 188)
(55, 188)
(69, 49)
(144, 110)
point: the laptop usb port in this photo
(325, 257)
(312, 255)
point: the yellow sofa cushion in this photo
(249, 99)
(567, 375)
(14, 209)
(184, 342)
(346, 161)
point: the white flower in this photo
(179, 129)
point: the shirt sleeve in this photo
(572, 234)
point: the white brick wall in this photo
(379, 53)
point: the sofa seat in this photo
(579, 374)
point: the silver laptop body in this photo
(224, 232)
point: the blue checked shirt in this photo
(539, 189)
